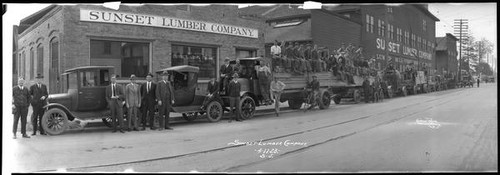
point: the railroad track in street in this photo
(437, 99)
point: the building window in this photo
(127, 57)
(32, 63)
(54, 66)
(407, 38)
(412, 40)
(72, 81)
(424, 45)
(245, 53)
(23, 64)
(19, 64)
(204, 57)
(14, 65)
(107, 48)
(389, 9)
(424, 25)
(369, 23)
(400, 35)
(379, 27)
(39, 57)
(390, 31)
(419, 41)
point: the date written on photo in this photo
(268, 152)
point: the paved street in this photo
(453, 130)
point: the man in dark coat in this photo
(115, 98)
(314, 85)
(213, 92)
(165, 97)
(478, 80)
(39, 96)
(367, 89)
(224, 73)
(148, 92)
(21, 101)
(234, 89)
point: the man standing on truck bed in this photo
(276, 54)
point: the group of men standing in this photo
(36, 96)
(146, 97)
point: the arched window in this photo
(23, 65)
(39, 57)
(54, 55)
(32, 63)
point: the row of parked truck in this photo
(85, 102)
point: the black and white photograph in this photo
(310, 87)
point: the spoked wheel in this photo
(390, 93)
(357, 96)
(190, 116)
(325, 100)
(214, 111)
(54, 121)
(247, 107)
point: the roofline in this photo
(42, 19)
(308, 15)
(427, 12)
(36, 13)
(452, 36)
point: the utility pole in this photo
(459, 26)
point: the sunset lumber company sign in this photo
(165, 22)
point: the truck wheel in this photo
(356, 96)
(190, 116)
(324, 100)
(214, 111)
(337, 99)
(54, 121)
(403, 90)
(295, 104)
(247, 107)
(390, 93)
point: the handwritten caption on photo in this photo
(268, 149)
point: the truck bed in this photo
(326, 79)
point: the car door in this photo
(92, 90)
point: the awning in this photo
(299, 32)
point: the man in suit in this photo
(234, 89)
(213, 92)
(224, 76)
(165, 97)
(21, 102)
(148, 93)
(133, 102)
(39, 96)
(115, 98)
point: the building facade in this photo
(446, 55)
(403, 35)
(324, 28)
(134, 39)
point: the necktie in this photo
(39, 86)
(113, 90)
(149, 86)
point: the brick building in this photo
(133, 39)
(446, 55)
(403, 35)
(290, 23)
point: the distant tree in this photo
(483, 68)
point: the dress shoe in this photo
(169, 128)
(33, 134)
(26, 136)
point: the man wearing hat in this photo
(165, 97)
(39, 95)
(115, 98)
(234, 89)
(276, 54)
(224, 76)
(133, 102)
(148, 97)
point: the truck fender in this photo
(70, 115)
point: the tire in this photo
(356, 96)
(214, 111)
(294, 103)
(54, 121)
(337, 99)
(403, 91)
(390, 93)
(324, 100)
(247, 107)
(190, 116)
